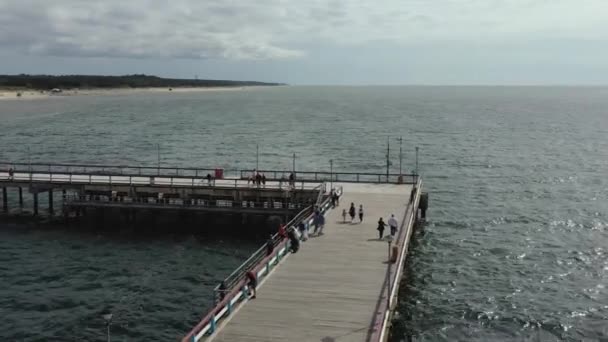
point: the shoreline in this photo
(33, 94)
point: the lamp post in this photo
(331, 174)
(416, 160)
(158, 158)
(400, 140)
(388, 151)
(108, 319)
(257, 156)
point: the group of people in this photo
(257, 178)
(353, 212)
(392, 223)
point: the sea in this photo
(515, 246)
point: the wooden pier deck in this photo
(331, 290)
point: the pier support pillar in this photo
(35, 204)
(51, 209)
(4, 200)
(21, 197)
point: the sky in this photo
(348, 42)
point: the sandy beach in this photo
(39, 94)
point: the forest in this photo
(47, 82)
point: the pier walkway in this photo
(339, 286)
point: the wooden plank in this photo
(329, 290)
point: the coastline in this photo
(33, 94)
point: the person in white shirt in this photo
(392, 222)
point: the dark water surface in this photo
(515, 247)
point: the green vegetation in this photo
(46, 82)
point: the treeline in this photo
(45, 82)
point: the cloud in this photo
(279, 29)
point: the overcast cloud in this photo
(281, 36)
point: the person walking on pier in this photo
(344, 215)
(282, 232)
(380, 228)
(351, 212)
(303, 231)
(11, 174)
(392, 223)
(252, 283)
(332, 196)
(258, 180)
(360, 213)
(263, 180)
(321, 223)
(208, 179)
(292, 180)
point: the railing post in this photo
(89, 179)
(110, 179)
(244, 292)
(70, 178)
(229, 306)
(213, 323)
(171, 181)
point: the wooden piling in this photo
(51, 209)
(35, 204)
(21, 197)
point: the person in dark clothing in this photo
(282, 231)
(269, 245)
(258, 179)
(292, 179)
(252, 283)
(294, 242)
(303, 230)
(208, 179)
(222, 291)
(352, 212)
(332, 195)
(264, 180)
(11, 173)
(380, 228)
(360, 213)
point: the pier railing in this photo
(381, 323)
(345, 177)
(200, 173)
(82, 178)
(179, 203)
(234, 290)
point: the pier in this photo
(339, 286)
